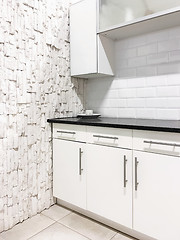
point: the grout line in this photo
(114, 236)
(74, 230)
(41, 231)
(64, 217)
(92, 220)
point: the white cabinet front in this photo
(109, 183)
(83, 39)
(157, 195)
(125, 11)
(69, 172)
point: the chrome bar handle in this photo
(162, 143)
(125, 163)
(80, 161)
(136, 180)
(99, 136)
(66, 132)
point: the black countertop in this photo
(128, 123)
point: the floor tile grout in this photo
(64, 216)
(41, 231)
(116, 232)
(95, 221)
(114, 236)
(74, 230)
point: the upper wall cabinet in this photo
(91, 54)
(95, 24)
(123, 18)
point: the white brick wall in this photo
(147, 79)
(35, 84)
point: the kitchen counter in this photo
(128, 123)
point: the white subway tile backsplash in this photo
(126, 53)
(137, 41)
(157, 58)
(108, 112)
(113, 94)
(173, 80)
(174, 56)
(157, 36)
(174, 33)
(137, 62)
(116, 84)
(113, 103)
(156, 81)
(122, 103)
(126, 112)
(146, 92)
(136, 82)
(168, 91)
(149, 113)
(147, 71)
(169, 68)
(147, 78)
(168, 114)
(173, 102)
(123, 44)
(169, 45)
(127, 93)
(147, 49)
(123, 63)
(125, 73)
(156, 102)
(136, 103)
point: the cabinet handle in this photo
(80, 161)
(125, 180)
(99, 136)
(136, 181)
(66, 132)
(162, 143)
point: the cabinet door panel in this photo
(106, 194)
(156, 201)
(68, 184)
(83, 38)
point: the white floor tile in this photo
(87, 227)
(121, 237)
(58, 232)
(56, 212)
(28, 228)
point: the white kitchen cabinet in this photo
(90, 55)
(135, 17)
(156, 210)
(69, 172)
(128, 177)
(109, 183)
(130, 10)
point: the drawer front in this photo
(69, 132)
(157, 142)
(110, 136)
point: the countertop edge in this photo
(115, 125)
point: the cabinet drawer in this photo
(157, 142)
(69, 132)
(110, 136)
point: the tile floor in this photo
(58, 223)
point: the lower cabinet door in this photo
(157, 195)
(69, 172)
(109, 183)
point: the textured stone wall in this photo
(35, 84)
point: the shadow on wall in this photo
(152, 54)
(146, 82)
